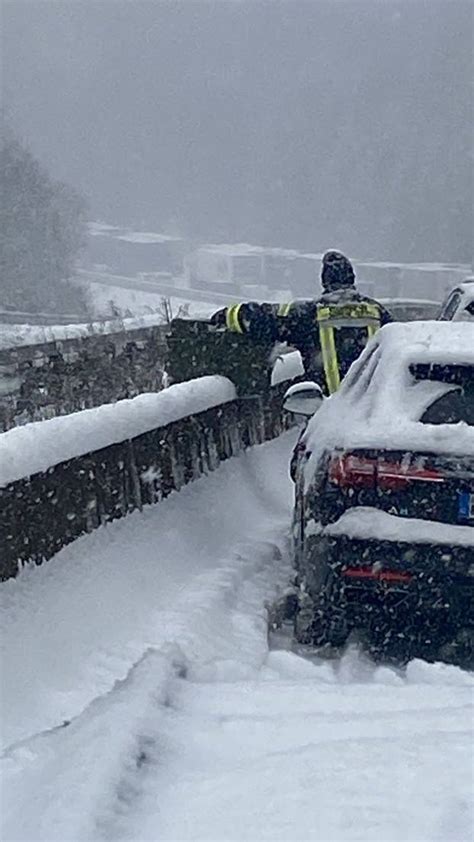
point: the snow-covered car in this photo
(384, 509)
(411, 309)
(459, 305)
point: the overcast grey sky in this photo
(301, 124)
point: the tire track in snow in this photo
(71, 773)
(103, 754)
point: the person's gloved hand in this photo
(218, 319)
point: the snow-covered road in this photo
(140, 699)
(310, 751)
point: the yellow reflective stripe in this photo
(284, 309)
(329, 354)
(350, 311)
(328, 313)
(229, 317)
(323, 313)
(232, 318)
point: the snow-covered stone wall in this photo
(77, 367)
(66, 476)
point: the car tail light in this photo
(396, 475)
(352, 470)
(355, 470)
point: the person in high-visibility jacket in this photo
(329, 332)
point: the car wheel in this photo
(304, 620)
(319, 624)
(460, 651)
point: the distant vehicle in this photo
(384, 495)
(411, 309)
(459, 305)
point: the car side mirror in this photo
(303, 399)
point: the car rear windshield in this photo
(454, 406)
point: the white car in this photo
(411, 309)
(459, 305)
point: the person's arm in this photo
(258, 321)
(385, 316)
(218, 319)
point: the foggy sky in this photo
(305, 124)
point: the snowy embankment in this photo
(141, 701)
(143, 302)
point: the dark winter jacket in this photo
(310, 326)
(301, 329)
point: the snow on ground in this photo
(326, 751)
(104, 298)
(149, 637)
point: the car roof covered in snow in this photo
(381, 401)
(444, 341)
(467, 289)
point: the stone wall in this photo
(54, 378)
(43, 513)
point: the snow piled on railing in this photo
(38, 446)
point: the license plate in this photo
(466, 505)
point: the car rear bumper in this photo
(366, 523)
(366, 565)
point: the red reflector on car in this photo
(379, 575)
